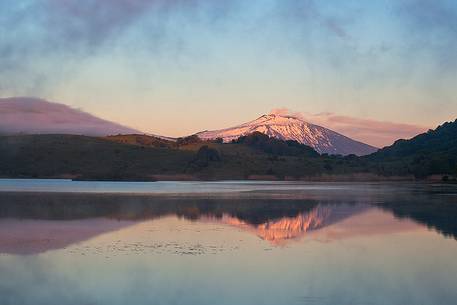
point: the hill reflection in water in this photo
(38, 222)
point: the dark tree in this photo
(205, 155)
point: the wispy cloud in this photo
(374, 132)
(213, 55)
(41, 42)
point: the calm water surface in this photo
(64, 242)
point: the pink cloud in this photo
(287, 112)
(370, 131)
(34, 116)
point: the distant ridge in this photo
(441, 140)
(430, 153)
(27, 115)
(323, 140)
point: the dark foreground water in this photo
(80, 243)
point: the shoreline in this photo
(355, 178)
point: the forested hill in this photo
(433, 152)
(255, 156)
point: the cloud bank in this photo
(24, 115)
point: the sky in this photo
(175, 67)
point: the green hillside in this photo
(256, 156)
(80, 157)
(85, 157)
(431, 153)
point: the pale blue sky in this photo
(174, 67)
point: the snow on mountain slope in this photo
(323, 140)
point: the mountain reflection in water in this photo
(38, 222)
(278, 231)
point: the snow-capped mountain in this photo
(323, 140)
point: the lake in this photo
(66, 242)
